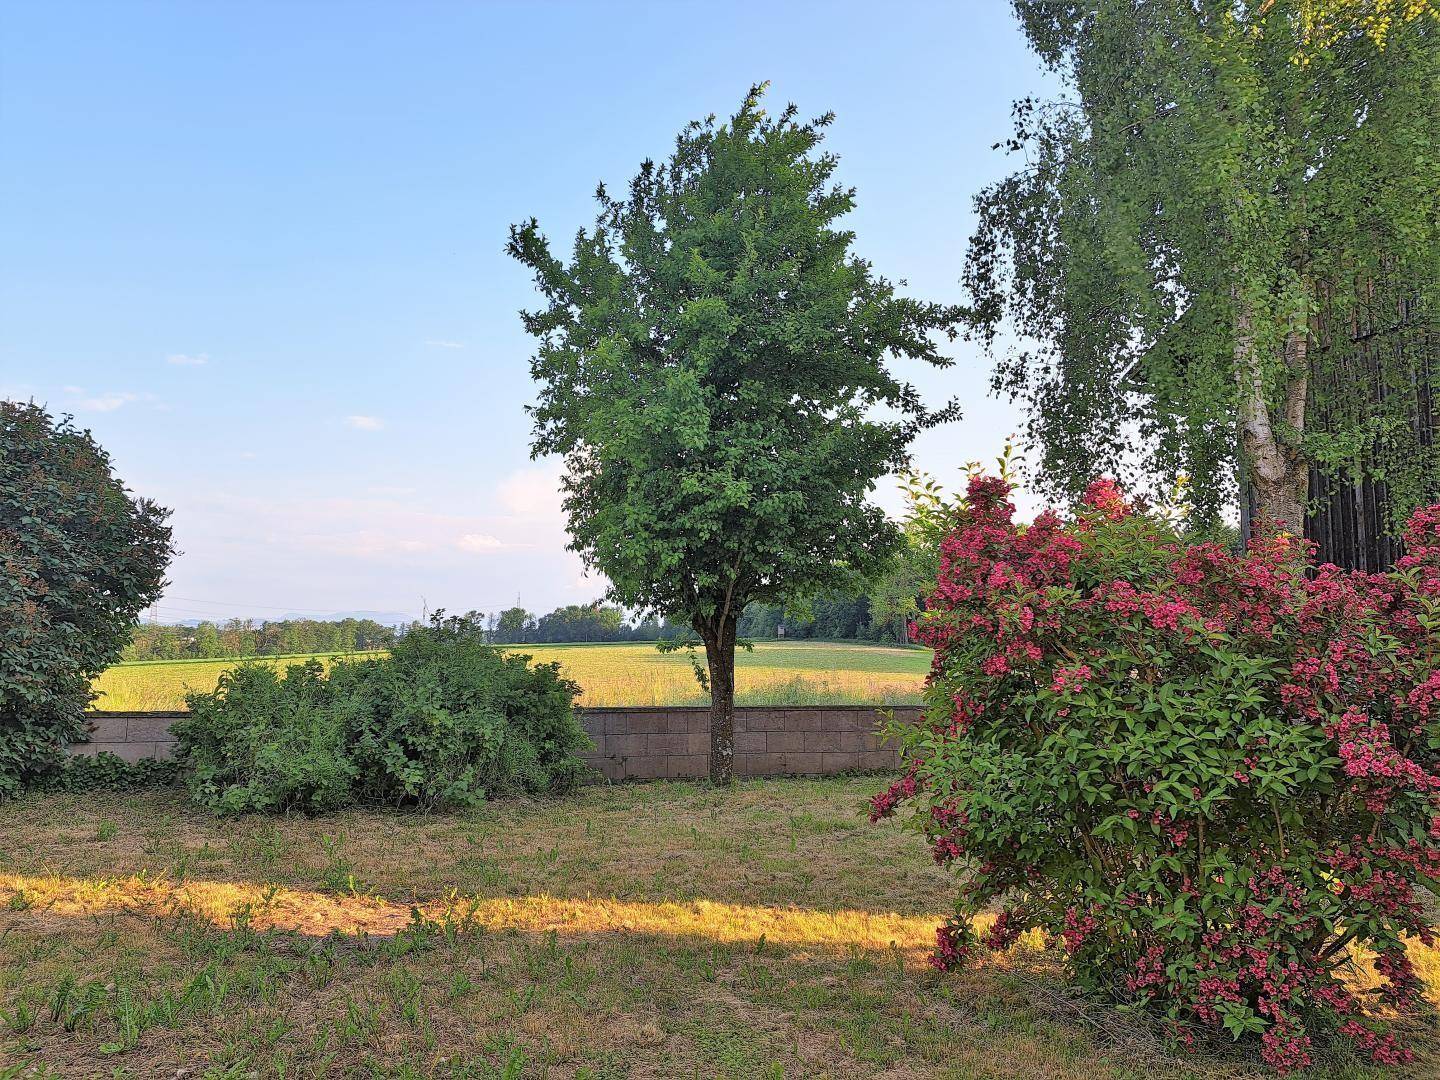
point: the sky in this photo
(258, 250)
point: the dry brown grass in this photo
(661, 930)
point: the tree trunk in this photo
(1273, 463)
(720, 658)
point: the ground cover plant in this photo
(792, 673)
(1210, 777)
(648, 931)
(442, 720)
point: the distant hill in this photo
(384, 618)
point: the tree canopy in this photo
(79, 559)
(1225, 203)
(712, 365)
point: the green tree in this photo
(1223, 191)
(712, 366)
(207, 640)
(79, 559)
(512, 625)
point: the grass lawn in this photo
(658, 930)
(776, 673)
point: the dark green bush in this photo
(444, 720)
(108, 772)
(79, 559)
(260, 741)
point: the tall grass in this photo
(791, 673)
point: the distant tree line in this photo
(574, 622)
(833, 615)
(246, 637)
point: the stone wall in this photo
(800, 740)
(131, 736)
(641, 743)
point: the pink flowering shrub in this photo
(1208, 777)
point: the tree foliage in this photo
(712, 367)
(1226, 197)
(79, 559)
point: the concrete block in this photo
(765, 764)
(856, 719)
(150, 729)
(825, 720)
(617, 722)
(781, 742)
(667, 744)
(592, 722)
(749, 742)
(109, 727)
(609, 768)
(688, 766)
(139, 751)
(647, 722)
(687, 721)
(880, 759)
(645, 768)
(633, 745)
(800, 764)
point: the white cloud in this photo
(446, 344)
(108, 401)
(534, 492)
(478, 542)
(364, 423)
(188, 359)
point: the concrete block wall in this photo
(131, 736)
(637, 743)
(642, 743)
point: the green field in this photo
(776, 673)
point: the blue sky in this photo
(258, 250)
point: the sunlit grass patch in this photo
(660, 930)
(320, 914)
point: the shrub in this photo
(1210, 776)
(448, 719)
(260, 741)
(79, 560)
(444, 720)
(109, 772)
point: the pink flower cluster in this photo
(884, 804)
(1078, 928)
(1184, 727)
(1069, 680)
(953, 945)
